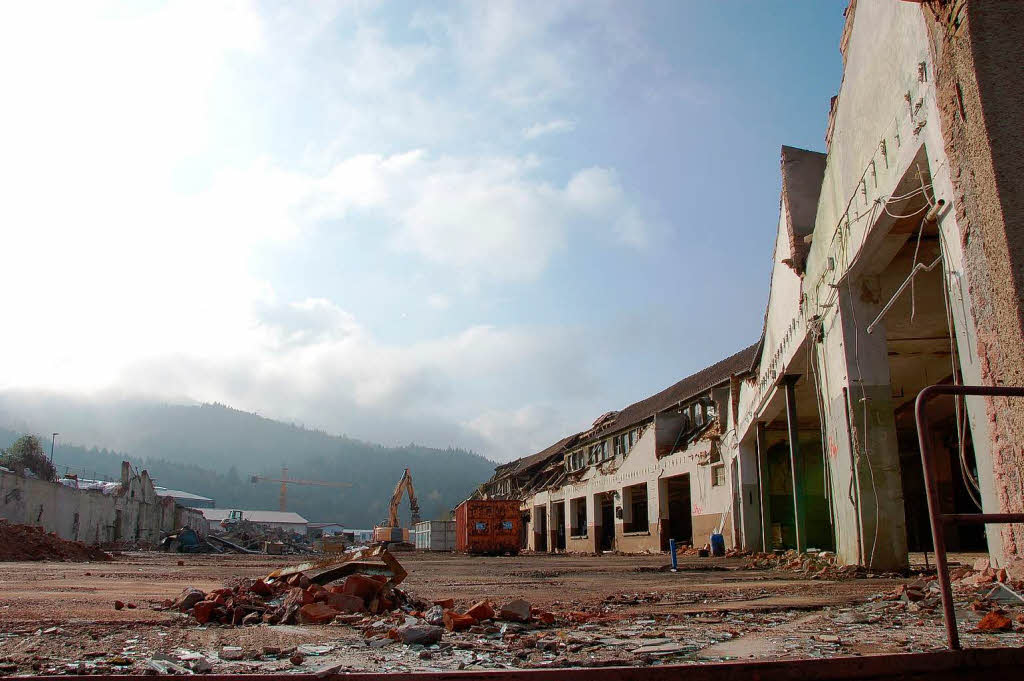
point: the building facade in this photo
(898, 264)
(654, 471)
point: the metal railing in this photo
(937, 518)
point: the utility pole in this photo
(52, 441)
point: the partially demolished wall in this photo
(129, 511)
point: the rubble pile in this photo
(338, 591)
(295, 600)
(248, 537)
(25, 542)
(817, 565)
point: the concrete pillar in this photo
(593, 523)
(750, 496)
(867, 460)
(762, 486)
(552, 528)
(796, 463)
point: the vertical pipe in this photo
(931, 489)
(762, 488)
(796, 464)
(856, 478)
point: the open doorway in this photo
(558, 525)
(605, 505)
(540, 528)
(917, 324)
(680, 520)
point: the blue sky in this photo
(476, 224)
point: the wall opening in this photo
(679, 525)
(540, 528)
(604, 506)
(558, 525)
(634, 504)
(578, 516)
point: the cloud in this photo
(439, 301)
(538, 129)
(491, 219)
(151, 203)
(313, 362)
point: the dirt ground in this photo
(60, 617)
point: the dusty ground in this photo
(60, 617)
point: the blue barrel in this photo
(717, 545)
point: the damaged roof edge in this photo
(737, 364)
(803, 172)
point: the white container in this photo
(434, 535)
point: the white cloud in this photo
(439, 301)
(539, 129)
(154, 156)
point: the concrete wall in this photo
(134, 513)
(923, 94)
(975, 53)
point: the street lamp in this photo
(52, 441)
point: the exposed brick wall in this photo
(977, 52)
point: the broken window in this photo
(599, 452)
(718, 475)
(578, 517)
(635, 498)
(575, 461)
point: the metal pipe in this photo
(906, 282)
(935, 516)
(933, 212)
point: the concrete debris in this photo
(515, 611)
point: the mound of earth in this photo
(24, 542)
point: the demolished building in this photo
(898, 264)
(95, 512)
(638, 477)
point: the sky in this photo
(471, 224)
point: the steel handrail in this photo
(938, 519)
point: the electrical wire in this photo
(864, 401)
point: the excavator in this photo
(390, 530)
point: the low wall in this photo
(133, 512)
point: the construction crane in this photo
(285, 481)
(390, 529)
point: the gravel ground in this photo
(60, 617)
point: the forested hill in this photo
(212, 450)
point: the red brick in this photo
(995, 621)
(453, 621)
(362, 586)
(298, 596)
(316, 613)
(261, 588)
(481, 611)
(446, 603)
(345, 602)
(203, 611)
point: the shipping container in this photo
(434, 535)
(488, 526)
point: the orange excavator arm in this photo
(404, 485)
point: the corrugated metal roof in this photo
(218, 514)
(178, 494)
